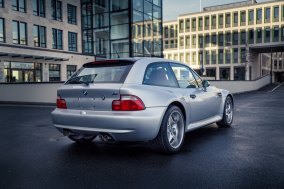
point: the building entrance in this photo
(279, 77)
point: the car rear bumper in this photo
(122, 126)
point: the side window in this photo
(198, 78)
(184, 76)
(159, 74)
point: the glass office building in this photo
(122, 28)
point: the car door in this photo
(201, 102)
(211, 96)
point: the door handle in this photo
(219, 94)
(193, 96)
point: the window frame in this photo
(70, 35)
(4, 34)
(17, 6)
(167, 65)
(70, 18)
(194, 74)
(19, 32)
(56, 6)
(39, 34)
(55, 43)
(39, 12)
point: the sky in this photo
(173, 8)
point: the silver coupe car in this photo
(139, 99)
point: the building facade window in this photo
(228, 39)
(1, 3)
(19, 5)
(70, 70)
(54, 72)
(38, 7)
(228, 20)
(207, 57)
(187, 57)
(181, 42)
(267, 35)
(235, 38)
(19, 32)
(200, 62)
(282, 33)
(172, 31)
(243, 55)
(236, 55)
(213, 57)
(236, 18)
(258, 35)
(56, 7)
(39, 36)
(251, 36)
(200, 24)
(193, 58)
(72, 41)
(239, 73)
(221, 21)
(193, 22)
(276, 14)
(221, 39)
(187, 42)
(206, 27)
(211, 73)
(243, 18)
(259, 16)
(224, 73)
(228, 56)
(213, 22)
(220, 56)
(57, 42)
(166, 32)
(187, 25)
(22, 72)
(251, 17)
(72, 14)
(181, 26)
(275, 34)
(200, 41)
(193, 42)
(243, 37)
(207, 40)
(214, 39)
(2, 30)
(267, 15)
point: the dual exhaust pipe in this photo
(104, 137)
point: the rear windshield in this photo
(101, 73)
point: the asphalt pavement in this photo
(250, 154)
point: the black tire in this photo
(161, 143)
(226, 121)
(80, 138)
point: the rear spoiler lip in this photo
(105, 63)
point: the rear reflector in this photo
(128, 103)
(60, 103)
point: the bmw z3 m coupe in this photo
(139, 99)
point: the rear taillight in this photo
(128, 103)
(61, 103)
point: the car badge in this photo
(85, 92)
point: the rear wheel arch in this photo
(181, 107)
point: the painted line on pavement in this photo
(274, 88)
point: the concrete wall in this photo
(46, 92)
(242, 86)
(30, 93)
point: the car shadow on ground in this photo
(193, 140)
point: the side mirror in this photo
(205, 84)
